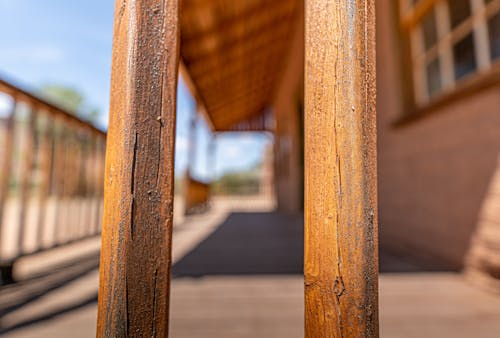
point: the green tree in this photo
(238, 183)
(70, 99)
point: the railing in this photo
(51, 178)
(196, 195)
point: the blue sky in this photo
(68, 43)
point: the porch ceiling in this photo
(232, 53)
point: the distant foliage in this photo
(237, 183)
(70, 99)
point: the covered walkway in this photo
(238, 273)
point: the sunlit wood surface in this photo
(139, 176)
(340, 174)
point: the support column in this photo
(341, 263)
(139, 176)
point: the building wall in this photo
(436, 173)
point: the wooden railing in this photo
(51, 178)
(196, 195)
(340, 259)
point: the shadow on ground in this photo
(393, 262)
(247, 244)
(18, 295)
(269, 243)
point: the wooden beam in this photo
(254, 122)
(341, 263)
(238, 91)
(30, 99)
(225, 121)
(139, 177)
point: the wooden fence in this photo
(51, 177)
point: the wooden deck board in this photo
(422, 304)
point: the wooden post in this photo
(5, 173)
(46, 155)
(59, 179)
(98, 184)
(139, 175)
(341, 263)
(6, 268)
(26, 177)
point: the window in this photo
(450, 40)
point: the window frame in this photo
(418, 101)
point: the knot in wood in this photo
(338, 286)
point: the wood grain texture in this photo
(139, 175)
(341, 263)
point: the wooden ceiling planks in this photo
(233, 53)
(261, 122)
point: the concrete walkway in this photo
(238, 274)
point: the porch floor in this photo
(237, 273)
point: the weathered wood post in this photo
(139, 175)
(341, 263)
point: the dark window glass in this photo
(429, 29)
(459, 11)
(465, 58)
(433, 77)
(494, 33)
